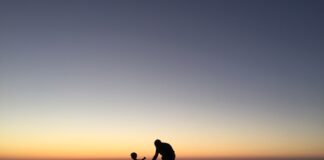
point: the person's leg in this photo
(168, 158)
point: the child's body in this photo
(134, 156)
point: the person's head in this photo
(133, 155)
(157, 143)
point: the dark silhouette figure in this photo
(134, 156)
(164, 149)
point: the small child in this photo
(134, 156)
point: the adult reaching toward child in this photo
(164, 149)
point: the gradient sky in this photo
(213, 78)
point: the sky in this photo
(212, 78)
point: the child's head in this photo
(133, 155)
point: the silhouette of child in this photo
(134, 156)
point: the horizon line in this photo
(194, 157)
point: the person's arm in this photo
(155, 155)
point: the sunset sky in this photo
(212, 78)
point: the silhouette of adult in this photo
(164, 149)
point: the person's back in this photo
(164, 149)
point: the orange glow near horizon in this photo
(77, 138)
(100, 146)
(94, 139)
